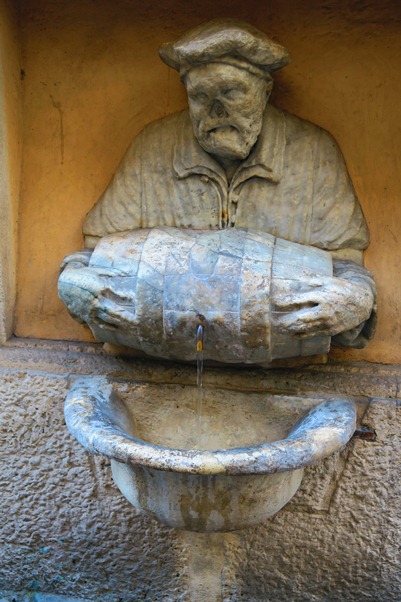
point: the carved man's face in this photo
(226, 106)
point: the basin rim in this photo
(323, 430)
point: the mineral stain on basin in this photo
(254, 447)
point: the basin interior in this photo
(171, 415)
(237, 479)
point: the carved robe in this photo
(294, 184)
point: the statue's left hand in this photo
(330, 305)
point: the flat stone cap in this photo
(225, 39)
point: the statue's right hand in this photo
(331, 306)
(78, 259)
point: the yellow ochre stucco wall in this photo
(93, 79)
(10, 160)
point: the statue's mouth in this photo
(222, 129)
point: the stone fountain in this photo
(230, 234)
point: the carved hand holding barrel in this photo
(255, 294)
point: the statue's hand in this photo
(328, 307)
(97, 296)
(110, 314)
(79, 259)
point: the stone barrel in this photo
(149, 289)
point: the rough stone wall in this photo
(65, 529)
(64, 526)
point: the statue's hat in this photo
(227, 40)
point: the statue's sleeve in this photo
(337, 219)
(338, 224)
(119, 208)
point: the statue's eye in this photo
(198, 97)
(229, 92)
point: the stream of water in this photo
(199, 374)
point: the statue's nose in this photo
(218, 109)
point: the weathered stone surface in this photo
(55, 598)
(150, 289)
(67, 530)
(61, 547)
(231, 465)
(18, 597)
(346, 553)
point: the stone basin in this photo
(232, 467)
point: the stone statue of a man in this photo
(233, 160)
